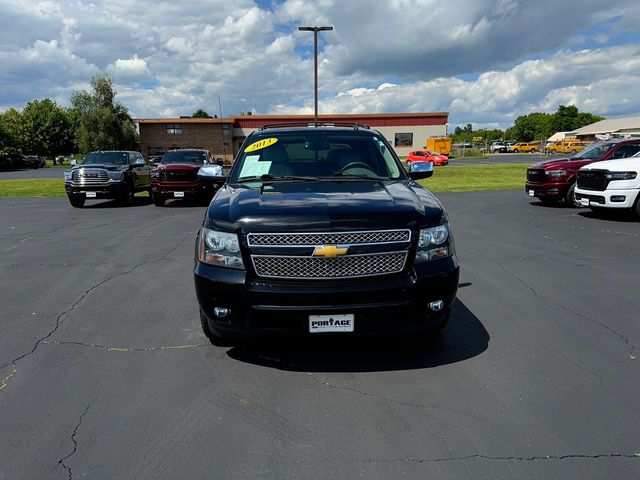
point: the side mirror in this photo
(211, 174)
(73, 162)
(219, 162)
(138, 162)
(420, 170)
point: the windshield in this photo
(196, 156)
(319, 155)
(595, 151)
(112, 158)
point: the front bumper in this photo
(111, 190)
(187, 189)
(607, 198)
(546, 190)
(386, 306)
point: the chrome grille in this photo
(319, 268)
(89, 176)
(314, 239)
(178, 176)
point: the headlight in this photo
(154, 174)
(621, 175)
(115, 175)
(433, 243)
(219, 248)
(556, 173)
(67, 176)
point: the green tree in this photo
(11, 131)
(534, 126)
(103, 123)
(47, 130)
(200, 113)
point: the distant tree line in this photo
(531, 127)
(95, 121)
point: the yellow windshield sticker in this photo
(260, 144)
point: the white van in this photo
(610, 184)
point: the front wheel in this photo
(76, 201)
(158, 201)
(636, 206)
(570, 197)
(127, 197)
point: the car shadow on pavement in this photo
(462, 339)
(611, 215)
(137, 202)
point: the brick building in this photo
(223, 137)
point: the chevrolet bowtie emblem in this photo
(329, 251)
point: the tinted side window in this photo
(626, 151)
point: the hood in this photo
(106, 166)
(325, 205)
(556, 162)
(618, 165)
(179, 166)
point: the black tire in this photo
(636, 206)
(76, 201)
(216, 340)
(127, 196)
(570, 198)
(158, 201)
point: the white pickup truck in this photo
(610, 184)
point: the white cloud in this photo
(130, 70)
(485, 61)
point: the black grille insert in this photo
(593, 180)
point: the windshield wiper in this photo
(277, 178)
(350, 176)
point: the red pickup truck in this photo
(176, 176)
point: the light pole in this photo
(315, 31)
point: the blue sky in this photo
(484, 61)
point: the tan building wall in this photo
(158, 137)
(418, 134)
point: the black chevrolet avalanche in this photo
(318, 231)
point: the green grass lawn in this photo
(33, 187)
(463, 178)
(469, 178)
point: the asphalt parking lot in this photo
(104, 371)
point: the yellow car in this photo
(525, 147)
(567, 146)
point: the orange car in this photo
(426, 156)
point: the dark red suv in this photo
(176, 176)
(555, 180)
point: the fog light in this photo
(553, 190)
(221, 312)
(618, 198)
(436, 306)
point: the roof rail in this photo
(355, 126)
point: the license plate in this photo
(531, 193)
(178, 194)
(584, 202)
(91, 194)
(331, 323)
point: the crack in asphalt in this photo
(7, 379)
(512, 458)
(625, 340)
(399, 402)
(128, 349)
(58, 321)
(73, 439)
(30, 236)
